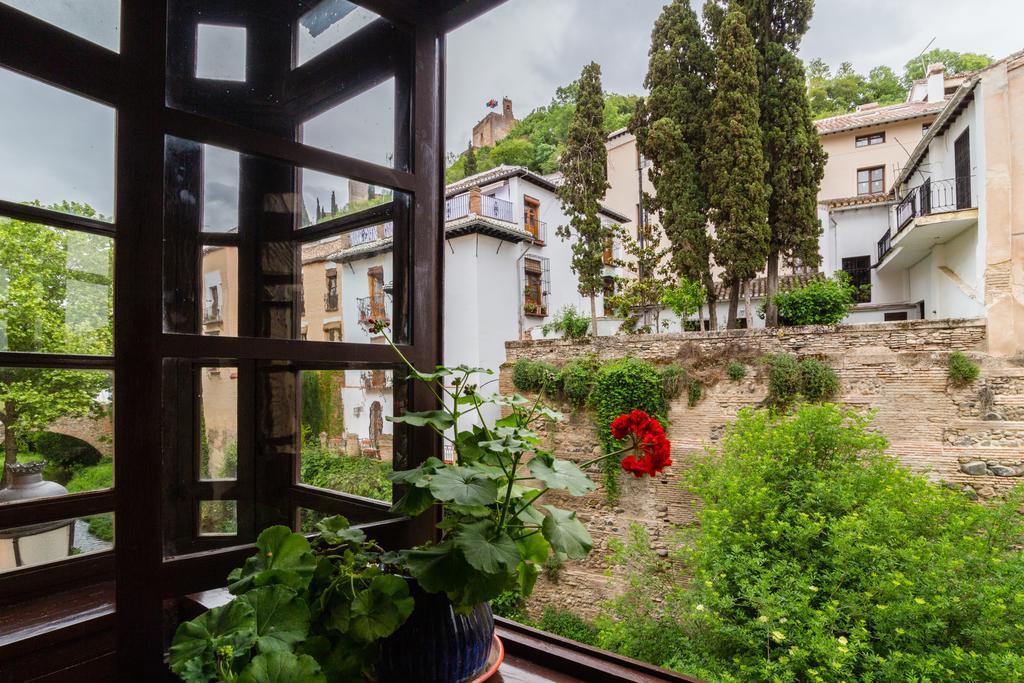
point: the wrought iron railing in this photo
(935, 196)
(331, 301)
(458, 207)
(884, 245)
(372, 307)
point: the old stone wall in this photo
(971, 438)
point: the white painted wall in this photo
(958, 277)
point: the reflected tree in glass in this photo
(55, 297)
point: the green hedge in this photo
(351, 474)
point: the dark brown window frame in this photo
(870, 140)
(871, 181)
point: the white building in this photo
(941, 243)
(507, 274)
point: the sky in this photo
(524, 49)
(56, 146)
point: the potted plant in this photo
(338, 607)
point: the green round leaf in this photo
(282, 667)
(282, 617)
(464, 486)
(561, 474)
(566, 534)
(485, 550)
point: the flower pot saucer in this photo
(494, 660)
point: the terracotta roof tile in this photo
(876, 116)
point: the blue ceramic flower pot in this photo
(436, 645)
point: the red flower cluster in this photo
(649, 442)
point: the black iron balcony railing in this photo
(373, 307)
(331, 301)
(935, 196)
(884, 245)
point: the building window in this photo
(872, 139)
(871, 180)
(212, 313)
(331, 297)
(859, 270)
(535, 293)
(608, 292)
(333, 334)
(608, 255)
(531, 217)
(893, 317)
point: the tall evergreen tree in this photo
(734, 160)
(793, 154)
(469, 166)
(585, 180)
(796, 164)
(669, 127)
(334, 204)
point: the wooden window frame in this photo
(870, 139)
(534, 227)
(870, 181)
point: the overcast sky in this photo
(524, 49)
(56, 146)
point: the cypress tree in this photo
(793, 153)
(583, 167)
(734, 160)
(469, 166)
(669, 128)
(334, 204)
(796, 164)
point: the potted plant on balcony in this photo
(338, 607)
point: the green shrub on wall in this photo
(961, 370)
(346, 473)
(694, 393)
(619, 387)
(531, 375)
(570, 323)
(564, 623)
(736, 371)
(673, 381)
(789, 380)
(576, 380)
(819, 302)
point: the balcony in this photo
(331, 301)
(373, 307)
(459, 207)
(212, 314)
(539, 230)
(932, 213)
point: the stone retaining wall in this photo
(970, 438)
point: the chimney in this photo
(936, 82)
(506, 108)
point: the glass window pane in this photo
(56, 148)
(362, 127)
(327, 196)
(54, 541)
(220, 52)
(347, 444)
(218, 518)
(327, 24)
(218, 423)
(97, 21)
(57, 426)
(218, 295)
(56, 289)
(220, 189)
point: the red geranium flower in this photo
(651, 448)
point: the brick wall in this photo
(970, 438)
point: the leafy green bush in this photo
(577, 379)
(818, 557)
(694, 392)
(819, 302)
(564, 623)
(570, 323)
(818, 382)
(101, 526)
(63, 450)
(789, 379)
(961, 370)
(352, 474)
(673, 381)
(100, 476)
(510, 605)
(531, 375)
(736, 371)
(620, 387)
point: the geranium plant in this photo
(320, 608)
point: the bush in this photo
(570, 323)
(564, 623)
(100, 476)
(510, 605)
(350, 474)
(673, 381)
(818, 382)
(64, 451)
(694, 392)
(819, 302)
(619, 387)
(577, 379)
(817, 557)
(736, 371)
(961, 370)
(101, 526)
(789, 380)
(531, 375)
